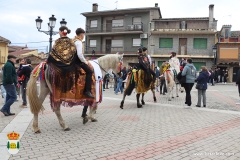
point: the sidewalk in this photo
(162, 130)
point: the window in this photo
(200, 43)
(93, 23)
(226, 33)
(117, 23)
(137, 20)
(165, 43)
(93, 43)
(117, 43)
(136, 42)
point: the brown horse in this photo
(142, 82)
(107, 62)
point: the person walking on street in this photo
(202, 81)
(238, 82)
(9, 83)
(25, 72)
(190, 72)
(157, 78)
(163, 87)
(225, 76)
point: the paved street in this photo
(162, 130)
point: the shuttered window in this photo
(117, 43)
(200, 43)
(93, 43)
(137, 20)
(93, 23)
(165, 43)
(198, 65)
(117, 23)
(137, 42)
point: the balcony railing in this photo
(109, 49)
(110, 27)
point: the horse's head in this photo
(111, 61)
(166, 66)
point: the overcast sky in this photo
(17, 17)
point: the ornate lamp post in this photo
(215, 54)
(51, 25)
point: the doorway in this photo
(235, 71)
(182, 49)
(109, 25)
(108, 45)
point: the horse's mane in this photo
(108, 61)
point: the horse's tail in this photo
(35, 104)
(130, 84)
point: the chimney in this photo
(211, 7)
(156, 4)
(95, 7)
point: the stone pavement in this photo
(162, 130)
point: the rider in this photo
(62, 56)
(84, 64)
(144, 62)
(174, 62)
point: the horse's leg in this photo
(138, 101)
(84, 114)
(92, 112)
(169, 93)
(43, 94)
(177, 90)
(60, 119)
(143, 103)
(154, 96)
(122, 102)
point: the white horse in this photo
(106, 62)
(170, 72)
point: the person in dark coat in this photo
(9, 82)
(238, 83)
(202, 79)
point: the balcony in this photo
(108, 49)
(183, 31)
(110, 29)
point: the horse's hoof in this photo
(38, 131)
(94, 120)
(95, 112)
(155, 99)
(139, 106)
(85, 120)
(177, 96)
(172, 97)
(143, 103)
(67, 129)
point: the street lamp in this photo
(51, 25)
(214, 53)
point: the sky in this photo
(17, 17)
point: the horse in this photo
(170, 72)
(107, 62)
(142, 82)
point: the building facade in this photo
(3, 50)
(228, 51)
(126, 30)
(188, 37)
(122, 30)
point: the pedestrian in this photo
(157, 77)
(9, 83)
(211, 77)
(163, 87)
(190, 72)
(238, 82)
(222, 76)
(119, 83)
(225, 76)
(3, 91)
(216, 75)
(219, 73)
(25, 72)
(202, 83)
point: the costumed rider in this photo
(144, 62)
(174, 62)
(62, 58)
(84, 64)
